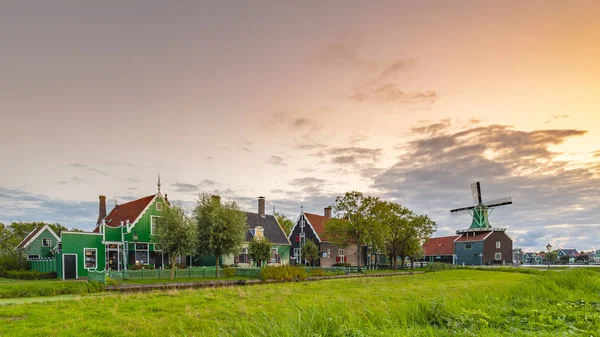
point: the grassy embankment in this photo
(457, 302)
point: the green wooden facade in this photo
(112, 246)
(39, 243)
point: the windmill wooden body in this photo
(482, 244)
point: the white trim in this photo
(156, 206)
(487, 236)
(36, 236)
(471, 245)
(498, 244)
(84, 261)
(49, 243)
(76, 266)
(296, 224)
(151, 217)
(154, 247)
(151, 202)
(495, 255)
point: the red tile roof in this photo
(28, 237)
(440, 246)
(127, 211)
(479, 236)
(318, 223)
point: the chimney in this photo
(166, 198)
(216, 199)
(327, 212)
(101, 210)
(261, 206)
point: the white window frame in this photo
(498, 256)
(95, 262)
(29, 257)
(275, 251)
(147, 250)
(341, 252)
(244, 251)
(470, 246)
(302, 223)
(49, 242)
(297, 254)
(328, 253)
(151, 229)
(498, 244)
(258, 229)
(158, 206)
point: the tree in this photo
(221, 227)
(310, 252)
(176, 234)
(404, 232)
(285, 223)
(259, 250)
(564, 259)
(354, 222)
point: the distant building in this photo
(517, 254)
(440, 249)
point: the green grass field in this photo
(449, 303)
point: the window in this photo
(302, 223)
(302, 237)
(90, 258)
(274, 256)
(497, 244)
(159, 206)
(328, 252)
(259, 233)
(33, 257)
(468, 245)
(498, 256)
(340, 252)
(45, 242)
(157, 247)
(141, 253)
(245, 250)
(296, 252)
(153, 223)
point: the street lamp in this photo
(481, 256)
(549, 247)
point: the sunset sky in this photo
(300, 102)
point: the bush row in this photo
(29, 275)
(321, 272)
(283, 273)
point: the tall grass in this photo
(449, 303)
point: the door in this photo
(113, 260)
(70, 267)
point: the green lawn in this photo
(449, 303)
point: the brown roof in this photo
(31, 235)
(477, 237)
(317, 222)
(440, 246)
(127, 211)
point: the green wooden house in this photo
(122, 238)
(39, 243)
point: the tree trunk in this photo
(173, 266)
(412, 263)
(402, 259)
(217, 267)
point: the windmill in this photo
(481, 210)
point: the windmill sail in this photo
(498, 202)
(475, 193)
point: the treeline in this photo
(11, 235)
(383, 226)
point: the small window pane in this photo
(90, 258)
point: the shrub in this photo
(282, 273)
(317, 272)
(29, 275)
(342, 264)
(95, 287)
(229, 272)
(177, 265)
(142, 266)
(110, 282)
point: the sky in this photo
(299, 102)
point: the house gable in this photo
(39, 242)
